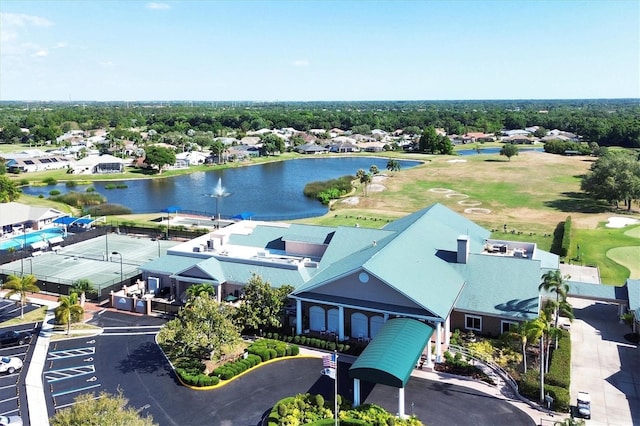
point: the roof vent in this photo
(375, 243)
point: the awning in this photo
(393, 353)
(56, 240)
(38, 245)
(171, 209)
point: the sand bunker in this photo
(351, 200)
(620, 222)
(457, 195)
(477, 210)
(374, 187)
(469, 203)
(457, 161)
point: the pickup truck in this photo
(14, 338)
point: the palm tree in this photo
(82, 287)
(22, 286)
(525, 332)
(68, 310)
(554, 282)
(393, 165)
(201, 290)
(365, 180)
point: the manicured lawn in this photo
(595, 245)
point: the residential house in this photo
(311, 148)
(98, 164)
(37, 164)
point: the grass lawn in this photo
(33, 316)
(596, 245)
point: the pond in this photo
(272, 191)
(495, 150)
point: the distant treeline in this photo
(608, 122)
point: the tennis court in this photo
(92, 259)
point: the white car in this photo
(10, 421)
(10, 365)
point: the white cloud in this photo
(40, 53)
(106, 64)
(301, 63)
(12, 23)
(157, 6)
(61, 45)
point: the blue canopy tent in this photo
(168, 211)
(243, 216)
(68, 221)
(171, 209)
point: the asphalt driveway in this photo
(135, 364)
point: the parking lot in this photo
(13, 398)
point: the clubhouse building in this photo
(433, 266)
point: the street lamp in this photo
(121, 276)
(30, 265)
(24, 250)
(106, 235)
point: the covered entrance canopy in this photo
(393, 354)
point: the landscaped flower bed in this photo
(192, 371)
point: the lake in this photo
(272, 191)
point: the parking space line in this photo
(70, 353)
(68, 373)
(17, 410)
(7, 387)
(8, 399)
(74, 390)
(60, 407)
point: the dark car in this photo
(14, 338)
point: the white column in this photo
(429, 358)
(218, 293)
(298, 316)
(401, 403)
(447, 330)
(438, 342)
(356, 392)
(340, 323)
(386, 317)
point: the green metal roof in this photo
(403, 255)
(170, 264)
(500, 286)
(597, 291)
(392, 355)
(633, 288)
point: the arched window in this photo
(317, 318)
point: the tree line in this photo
(605, 122)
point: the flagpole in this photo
(335, 396)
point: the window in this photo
(506, 326)
(472, 322)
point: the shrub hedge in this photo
(566, 237)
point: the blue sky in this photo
(318, 50)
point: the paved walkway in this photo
(604, 364)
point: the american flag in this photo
(329, 361)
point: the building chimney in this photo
(463, 249)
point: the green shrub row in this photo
(199, 380)
(560, 369)
(232, 369)
(557, 380)
(566, 237)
